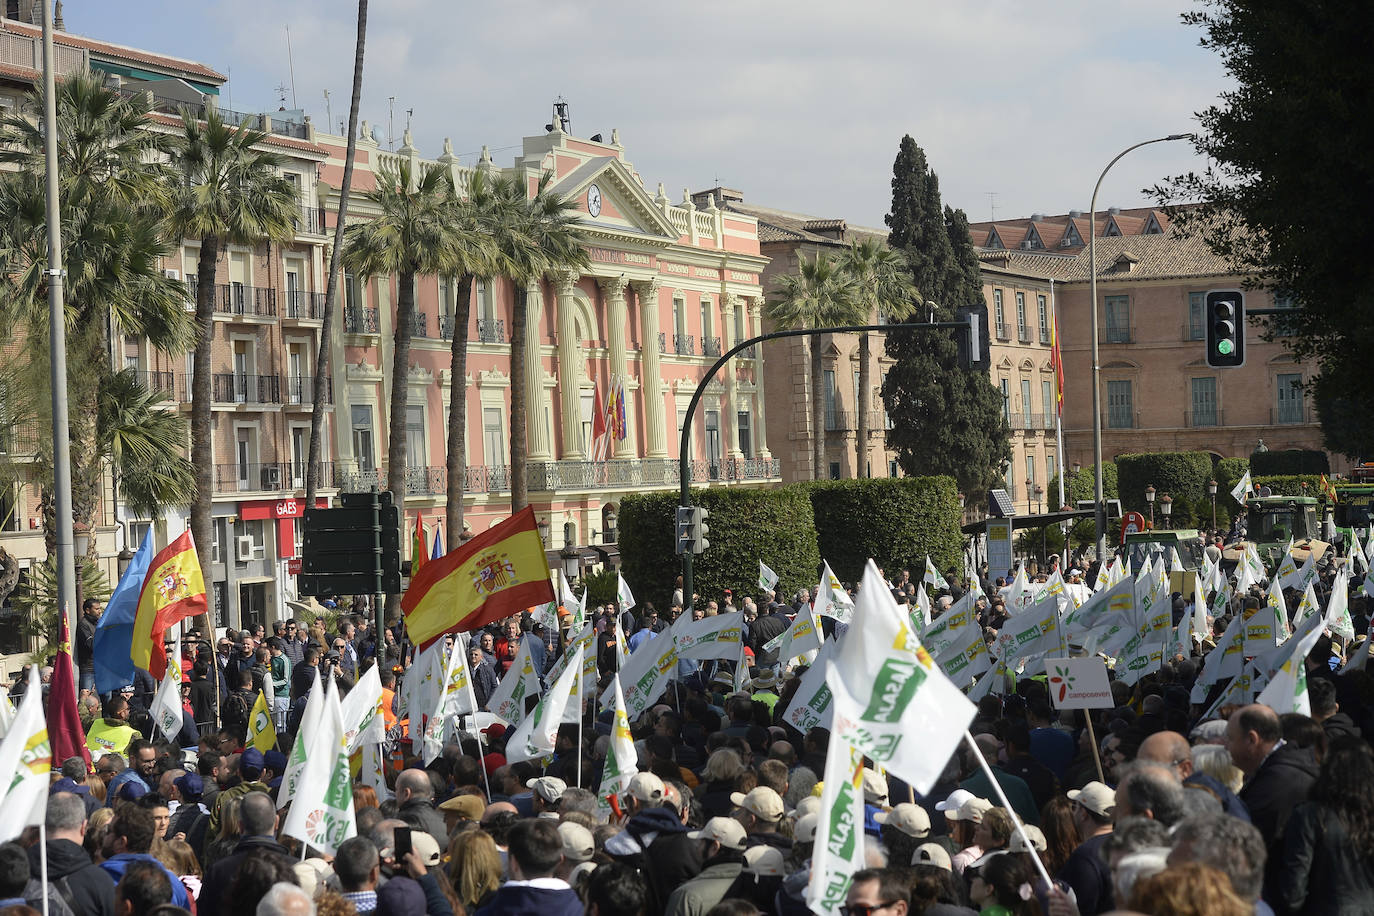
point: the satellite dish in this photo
(1265, 491)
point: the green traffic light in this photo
(1225, 347)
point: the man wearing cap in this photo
(461, 808)
(902, 830)
(1086, 870)
(760, 812)
(764, 688)
(415, 804)
(250, 776)
(578, 847)
(722, 844)
(655, 840)
(875, 799)
(189, 788)
(546, 793)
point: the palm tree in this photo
(882, 288)
(480, 218)
(413, 233)
(312, 462)
(818, 295)
(227, 190)
(543, 238)
(143, 441)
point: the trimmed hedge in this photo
(1080, 484)
(1227, 474)
(1291, 484)
(1183, 475)
(1289, 462)
(895, 520)
(776, 526)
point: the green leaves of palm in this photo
(819, 295)
(414, 232)
(145, 441)
(881, 278)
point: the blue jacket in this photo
(520, 899)
(115, 868)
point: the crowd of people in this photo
(1170, 814)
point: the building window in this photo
(1204, 391)
(362, 437)
(1022, 331)
(1290, 406)
(892, 469)
(415, 435)
(1118, 319)
(1026, 404)
(1197, 307)
(834, 470)
(1042, 305)
(1030, 475)
(713, 442)
(831, 400)
(9, 508)
(999, 314)
(1047, 400)
(493, 437)
(1006, 400)
(746, 445)
(1120, 405)
(353, 292)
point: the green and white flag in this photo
(1019, 594)
(166, 705)
(421, 688)
(26, 760)
(1174, 562)
(945, 629)
(1306, 574)
(839, 846)
(810, 704)
(1241, 491)
(309, 725)
(803, 636)
(454, 700)
(1307, 606)
(621, 763)
(709, 637)
(646, 674)
(1338, 606)
(768, 580)
(372, 772)
(932, 576)
(966, 658)
(1360, 659)
(623, 593)
(1287, 688)
(1104, 576)
(1226, 660)
(507, 701)
(920, 612)
(1200, 629)
(997, 680)
(1358, 561)
(1288, 567)
(534, 736)
(831, 598)
(322, 814)
(363, 720)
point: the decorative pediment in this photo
(419, 375)
(493, 378)
(634, 211)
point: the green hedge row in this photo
(1228, 473)
(1291, 484)
(1080, 484)
(1182, 475)
(1290, 462)
(896, 521)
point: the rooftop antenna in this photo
(390, 123)
(561, 116)
(281, 91)
(992, 205)
(291, 63)
(328, 110)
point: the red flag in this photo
(601, 436)
(64, 722)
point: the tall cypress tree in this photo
(945, 420)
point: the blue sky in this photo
(798, 104)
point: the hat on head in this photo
(951, 805)
(932, 854)
(549, 788)
(804, 830)
(762, 802)
(809, 805)
(646, 787)
(66, 784)
(493, 762)
(132, 791)
(583, 868)
(494, 730)
(973, 810)
(723, 679)
(1096, 797)
(468, 807)
(578, 845)
(274, 760)
(1037, 839)
(908, 818)
(190, 786)
(763, 860)
(425, 846)
(251, 759)
(401, 896)
(726, 831)
(766, 680)
(875, 787)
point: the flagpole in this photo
(1016, 819)
(43, 861)
(481, 749)
(581, 677)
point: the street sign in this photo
(999, 546)
(1131, 523)
(293, 566)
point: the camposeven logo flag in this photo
(507, 701)
(890, 699)
(810, 704)
(322, 814)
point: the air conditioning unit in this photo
(244, 548)
(172, 274)
(271, 477)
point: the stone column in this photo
(650, 390)
(760, 421)
(731, 370)
(613, 289)
(569, 370)
(536, 430)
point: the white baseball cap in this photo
(908, 818)
(726, 831)
(954, 802)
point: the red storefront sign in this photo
(284, 512)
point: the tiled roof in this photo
(784, 226)
(1032, 263)
(1163, 256)
(108, 49)
(1051, 229)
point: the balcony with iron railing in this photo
(311, 221)
(260, 477)
(426, 481)
(662, 342)
(1205, 417)
(749, 352)
(282, 127)
(710, 346)
(419, 324)
(360, 320)
(164, 382)
(491, 330)
(684, 344)
(1023, 334)
(232, 388)
(300, 389)
(303, 305)
(1289, 413)
(1114, 333)
(1002, 331)
(486, 478)
(1044, 334)
(241, 300)
(1121, 418)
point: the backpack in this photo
(236, 713)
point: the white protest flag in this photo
(1288, 567)
(1179, 645)
(26, 760)
(574, 651)
(322, 814)
(1018, 595)
(965, 658)
(1369, 582)
(373, 772)
(1138, 657)
(1054, 585)
(1200, 630)
(1357, 557)
(421, 688)
(454, 699)
(622, 590)
(803, 636)
(1174, 562)
(920, 612)
(567, 599)
(1306, 574)
(507, 701)
(768, 580)
(534, 736)
(810, 704)
(831, 598)
(1221, 599)
(932, 576)
(839, 846)
(1029, 634)
(621, 762)
(1287, 688)
(741, 671)
(1121, 569)
(622, 648)
(1226, 660)
(1279, 608)
(363, 720)
(546, 613)
(646, 674)
(305, 732)
(1361, 657)
(166, 705)
(1155, 613)
(6, 714)
(709, 637)
(1241, 491)
(1307, 606)
(945, 629)
(1338, 606)
(994, 681)
(1238, 693)
(909, 717)
(1104, 576)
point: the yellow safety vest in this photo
(104, 738)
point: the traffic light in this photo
(1225, 329)
(684, 529)
(692, 529)
(974, 350)
(339, 547)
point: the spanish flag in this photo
(173, 590)
(496, 574)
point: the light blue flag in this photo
(114, 635)
(438, 550)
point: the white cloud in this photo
(798, 104)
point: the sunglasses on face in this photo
(864, 909)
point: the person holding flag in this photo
(172, 591)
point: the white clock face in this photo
(594, 201)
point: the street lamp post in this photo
(1166, 507)
(1212, 493)
(1150, 501)
(1099, 504)
(570, 555)
(1039, 506)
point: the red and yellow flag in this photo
(173, 590)
(496, 574)
(419, 550)
(1057, 361)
